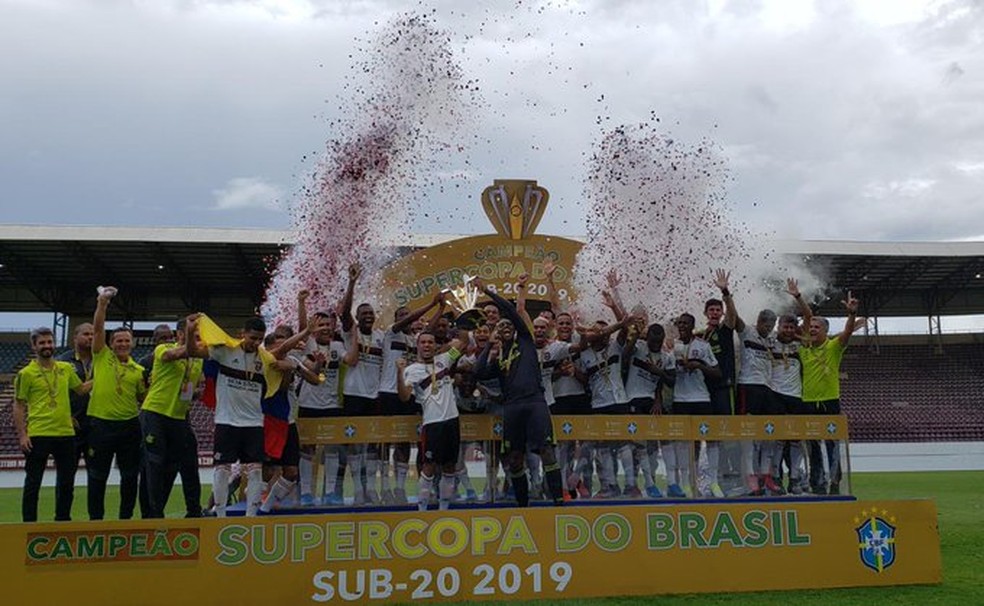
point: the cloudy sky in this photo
(840, 120)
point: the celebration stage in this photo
(492, 551)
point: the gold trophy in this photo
(463, 300)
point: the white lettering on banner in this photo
(423, 584)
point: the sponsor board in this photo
(544, 552)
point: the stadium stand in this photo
(13, 356)
(910, 393)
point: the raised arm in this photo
(851, 304)
(99, 318)
(302, 316)
(355, 270)
(556, 305)
(280, 351)
(613, 298)
(506, 308)
(792, 287)
(521, 300)
(413, 316)
(194, 348)
(731, 319)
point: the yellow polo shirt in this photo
(45, 392)
(115, 387)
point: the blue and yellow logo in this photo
(876, 539)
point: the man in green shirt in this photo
(821, 359)
(43, 419)
(117, 388)
(169, 443)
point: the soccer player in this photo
(786, 384)
(169, 443)
(325, 355)
(719, 332)
(651, 368)
(283, 449)
(570, 398)
(361, 387)
(398, 342)
(696, 367)
(117, 388)
(821, 358)
(80, 356)
(430, 382)
(526, 417)
(755, 398)
(486, 398)
(45, 426)
(238, 413)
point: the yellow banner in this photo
(369, 430)
(473, 554)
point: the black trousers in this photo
(108, 439)
(63, 451)
(169, 448)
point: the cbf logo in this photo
(876, 539)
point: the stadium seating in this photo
(13, 355)
(910, 393)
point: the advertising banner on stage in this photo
(499, 554)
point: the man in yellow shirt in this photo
(117, 388)
(821, 358)
(169, 443)
(43, 419)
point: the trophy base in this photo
(470, 320)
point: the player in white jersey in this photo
(651, 368)
(570, 398)
(398, 342)
(602, 365)
(786, 384)
(695, 365)
(325, 353)
(238, 415)
(361, 387)
(475, 398)
(430, 382)
(755, 398)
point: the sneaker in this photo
(819, 489)
(835, 488)
(653, 492)
(770, 485)
(583, 492)
(754, 485)
(471, 496)
(632, 492)
(372, 497)
(359, 500)
(795, 488)
(688, 492)
(606, 493)
(400, 496)
(568, 495)
(387, 498)
(307, 500)
(675, 492)
(716, 490)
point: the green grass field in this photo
(961, 515)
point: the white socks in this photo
(220, 488)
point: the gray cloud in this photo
(835, 125)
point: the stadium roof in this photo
(165, 271)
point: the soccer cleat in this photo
(716, 490)
(675, 492)
(400, 496)
(754, 485)
(307, 500)
(606, 493)
(770, 485)
(359, 500)
(471, 496)
(653, 492)
(583, 492)
(835, 488)
(372, 497)
(688, 492)
(795, 488)
(632, 492)
(819, 489)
